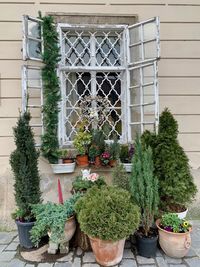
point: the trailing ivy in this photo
(51, 90)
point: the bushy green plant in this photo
(52, 217)
(65, 154)
(24, 164)
(144, 184)
(126, 153)
(80, 184)
(98, 140)
(51, 90)
(172, 223)
(176, 186)
(114, 150)
(120, 177)
(82, 141)
(107, 213)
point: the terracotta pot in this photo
(97, 162)
(175, 245)
(107, 253)
(82, 160)
(68, 160)
(70, 228)
(112, 162)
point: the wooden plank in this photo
(179, 86)
(14, 12)
(10, 108)
(194, 159)
(6, 126)
(11, 31)
(179, 67)
(10, 69)
(190, 142)
(180, 31)
(11, 88)
(189, 123)
(11, 50)
(7, 145)
(181, 104)
(180, 49)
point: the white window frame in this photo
(62, 68)
(27, 38)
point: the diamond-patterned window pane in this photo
(81, 47)
(81, 102)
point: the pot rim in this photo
(107, 241)
(24, 223)
(171, 233)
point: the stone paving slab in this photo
(10, 257)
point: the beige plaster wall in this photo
(179, 76)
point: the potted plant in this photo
(174, 235)
(171, 166)
(56, 220)
(114, 150)
(24, 164)
(105, 158)
(126, 154)
(144, 191)
(81, 184)
(107, 216)
(81, 142)
(67, 164)
(97, 146)
(120, 177)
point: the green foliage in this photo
(107, 213)
(124, 157)
(171, 222)
(52, 217)
(171, 164)
(144, 184)
(51, 90)
(94, 151)
(98, 139)
(80, 184)
(82, 141)
(120, 177)
(114, 150)
(65, 154)
(24, 164)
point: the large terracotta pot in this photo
(107, 253)
(112, 162)
(82, 160)
(175, 245)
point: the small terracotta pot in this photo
(82, 160)
(112, 162)
(175, 245)
(67, 161)
(107, 253)
(97, 162)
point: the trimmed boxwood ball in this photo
(107, 213)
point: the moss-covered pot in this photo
(107, 253)
(175, 245)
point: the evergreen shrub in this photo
(107, 213)
(24, 164)
(144, 184)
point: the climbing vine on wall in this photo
(51, 90)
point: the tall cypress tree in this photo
(144, 184)
(172, 165)
(176, 185)
(24, 164)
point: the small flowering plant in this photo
(87, 180)
(105, 158)
(172, 223)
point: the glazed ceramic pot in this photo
(107, 253)
(175, 245)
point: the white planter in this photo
(63, 168)
(128, 166)
(182, 214)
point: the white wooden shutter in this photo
(143, 53)
(32, 91)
